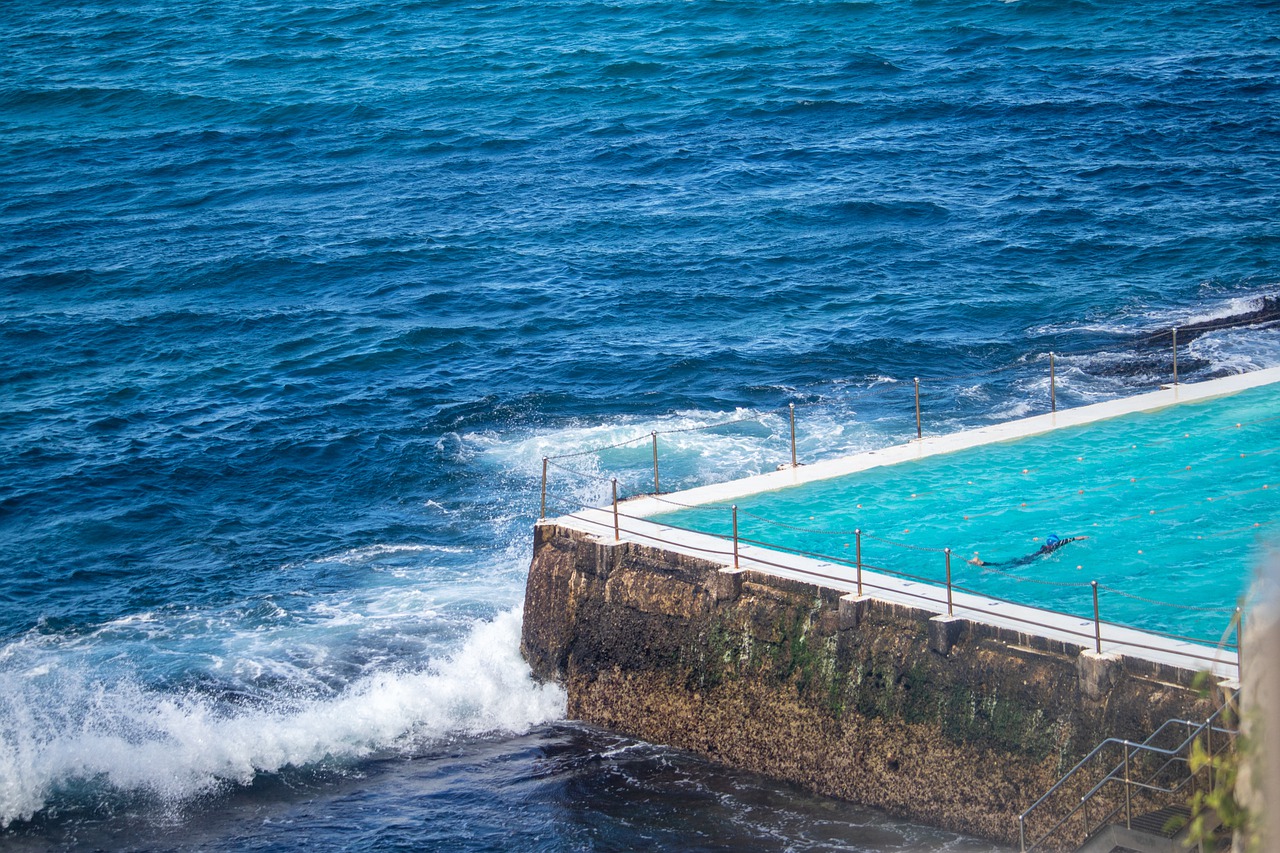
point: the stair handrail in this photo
(1131, 783)
(1117, 774)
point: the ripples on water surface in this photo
(295, 300)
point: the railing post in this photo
(1053, 385)
(793, 435)
(617, 534)
(947, 551)
(544, 488)
(735, 536)
(1175, 355)
(917, 380)
(857, 539)
(1022, 833)
(1097, 621)
(1193, 779)
(1128, 804)
(1240, 643)
(656, 490)
(1195, 788)
(1208, 747)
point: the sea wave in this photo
(72, 734)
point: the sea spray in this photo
(61, 729)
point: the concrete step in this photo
(1166, 822)
(1149, 833)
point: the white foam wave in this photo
(1228, 308)
(629, 435)
(1163, 319)
(1151, 320)
(371, 553)
(695, 448)
(1014, 409)
(1238, 350)
(71, 727)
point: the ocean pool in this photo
(1171, 510)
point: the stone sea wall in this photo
(948, 722)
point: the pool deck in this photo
(633, 525)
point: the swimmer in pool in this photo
(1051, 544)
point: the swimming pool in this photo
(1170, 508)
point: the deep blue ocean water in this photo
(295, 298)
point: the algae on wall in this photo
(757, 672)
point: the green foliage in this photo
(1218, 799)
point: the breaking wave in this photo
(67, 734)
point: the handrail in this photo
(1172, 757)
(550, 462)
(937, 584)
(1120, 773)
(926, 584)
(1269, 313)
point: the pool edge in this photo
(644, 506)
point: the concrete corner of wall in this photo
(1098, 673)
(944, 632)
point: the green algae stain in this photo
(875, 681)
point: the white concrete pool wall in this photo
(633, 524)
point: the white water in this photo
(69, 725)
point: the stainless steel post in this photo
(617, 534)
(1208, 747)
(735, 536)
(1240, 643)
(656, 490)
(1053, 385)
(1128, 804)
(917, 407)
(947, 551)
(1097, 622)
(793, 435)
(857, 538)
(1175, 355)
(544, 488)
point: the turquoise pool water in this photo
(1172, 505)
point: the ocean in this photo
(295, 298)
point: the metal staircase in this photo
(1139, 803)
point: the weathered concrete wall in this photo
(951, 723)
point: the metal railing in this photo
(1095, 639)
(1146, 772)
(916, 384)
(1129, 774)
(1143, 770)
(929, 593)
